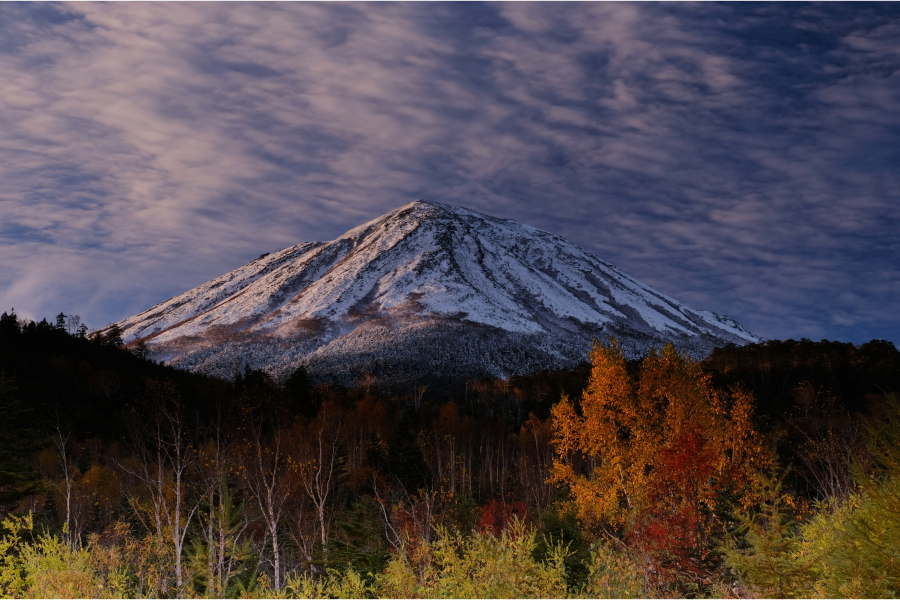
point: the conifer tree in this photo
(405, 459)
(114, 335)
(9, 325)
(17, 442)
(299, 388)
(141, 350)
(772, 561)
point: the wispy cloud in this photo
(741, 158)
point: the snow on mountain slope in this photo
(425, 271)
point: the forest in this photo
(768, 470)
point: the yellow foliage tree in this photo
(662, 442)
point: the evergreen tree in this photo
(17, 443)
(140, 350)
(405, 458)
(771, 561)
(113, 336)
(299, 388)
(359, 543)
(9, 325)
(61, 321)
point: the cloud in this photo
(740, 158)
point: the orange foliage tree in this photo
(651, 455)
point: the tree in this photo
(269, 475)
(267, 461)
(314, 448)
(318, 459)
(365, 427)
(164, 463)
(73, 324)
(299, 388)
(405, 461)
(772, 561)
(535, 460)
(9, 325)
(497, 515)
(140, 349)
(17, 443)
(223, 518)
(650, 458)
(449, 449)
(60, 462)
(601, 462)
(858, 540)
(113, 335)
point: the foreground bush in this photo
(47, 567)
(849, 548)
(482, 565)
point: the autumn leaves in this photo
(652, 453)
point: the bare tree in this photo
(106, 382)
(165, 461)
(498, 455)
(65, 486)
(269, 474)
(319, 454)
(827, 453)
(409, 521)
(832, 441)
(449, 448)
(302, 525)
(225, 523)
(405, 517)
(535, 460)
(73, 323)
(363, 430)
(367, 381)
(85, 498)
(418, 392)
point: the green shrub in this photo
(479, 566)
(849, 549)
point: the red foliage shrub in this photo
(682, 493)
(496, 515)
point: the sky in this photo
(742, 158)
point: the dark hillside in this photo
(85, 383)
(774, 370)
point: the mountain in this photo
(426, 291)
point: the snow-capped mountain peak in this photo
(422, 271)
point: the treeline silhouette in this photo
(157, 482)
